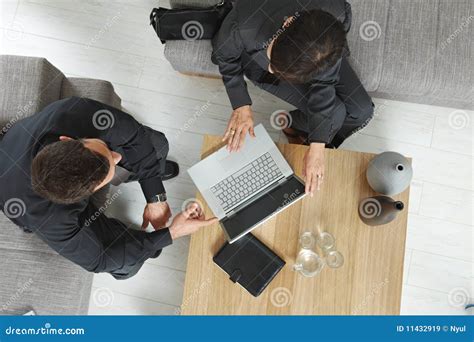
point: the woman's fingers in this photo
(314, 180)
(314, 183)
(319, 177)
(236, 139)
(242, 138)
(230, 140)
(308, 177)
(252, 132)
(227, 130)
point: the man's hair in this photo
(66, 171)
(312, 43)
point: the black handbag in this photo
(189, 23)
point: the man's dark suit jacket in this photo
(80, 231)
(244, 37)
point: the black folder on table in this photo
(250, 263)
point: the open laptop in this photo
(246, 188)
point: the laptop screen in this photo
(274, 200)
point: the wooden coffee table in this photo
(369, 282)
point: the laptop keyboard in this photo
(246, 182)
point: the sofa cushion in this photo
(102, 91)
(44, 282)
(428, 53)
(192, 57)
(454, 72)
(366, 40)
(27, 85)
(410, 47)
(14, 238)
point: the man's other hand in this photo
(189, 221)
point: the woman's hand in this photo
(313, 168)
(240, 123)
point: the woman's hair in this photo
(66, 171)
(312, 43)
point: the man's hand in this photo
(313, 169)
(241, 122)
(189, 221)
(157, 214)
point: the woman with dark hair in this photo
(295, 50)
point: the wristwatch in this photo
(158, 198)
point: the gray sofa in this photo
(416, 51)
(33, 276)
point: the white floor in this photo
(112, 40)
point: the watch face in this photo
(158, 198)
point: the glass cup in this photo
(308, 262)
(325, 241)
(334, 259)
(307, 240)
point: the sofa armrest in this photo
(191, 57)
(28, 85)
(99, 90)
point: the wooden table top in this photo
(369, 282)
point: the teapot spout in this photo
(399, 205)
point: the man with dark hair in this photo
(295, 50)
(56, 165)
(68, 170)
